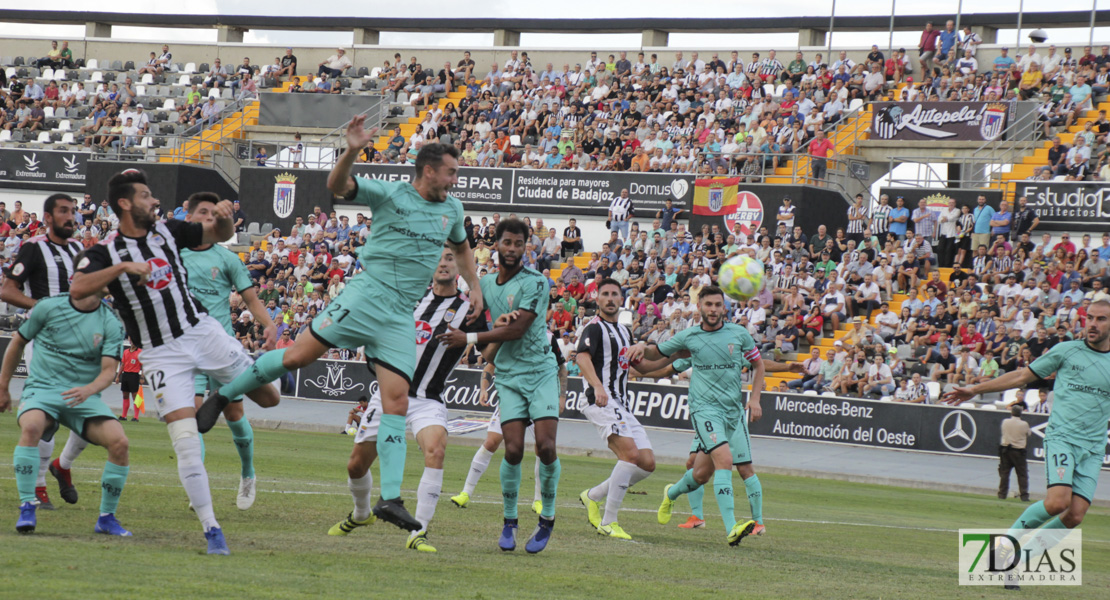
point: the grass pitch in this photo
(825, 539)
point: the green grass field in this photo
(826, 539)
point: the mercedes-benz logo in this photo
(957, 430)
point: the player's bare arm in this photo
(755, 411)
(464, 257)
(12, 293)
(601, 397)
(1011, 380)
(340, 182)
(456, 338)
(7, 369)
(89, 284)
(77, 395)
(269, 330)
(223, 227)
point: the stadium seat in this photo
(934, 390)
(92, 64)
(203, 68)
(48, 73)
(780, 90)
(148, 78)
(117, 65)
(664, 382)
(375, 72)
(44, 137)
(988, 407)
(170, 104)
(253, 228)
(768, 89)
(129, 65)
(886, 399)
(140, 90)
(5, 60)
(267, 228)
(514, 140)
(855, 104)
(829, 394)
(966, 404)
(190, 67)
(363, 72)
(5, 135)
(18, 62)
(65, 125)
(49, 110)
(10, 72)
(97, 77)
(184, 81)
(809, 393)
(67, 138)
(61, 75)
(1008, 397)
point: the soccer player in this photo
(528, 385)
(718, 352)
(42, 268)
(412, 222)
(214, 271)
(142, 268)
(1075, 439)
(442, 307)
(78, 351)
(603, 358)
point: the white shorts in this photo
(205, 349)
(614, 419)
(422, 413)
(495, 424)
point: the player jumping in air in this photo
(412, 222)
(76, 356)
(442, 307)
(1075, 439)
(142, 268)
(527, 378)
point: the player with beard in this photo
(1075, 439)
(141, 266)
(527, 378)
(412, 223)
(42, 268)
(718, 352)
(603, 358)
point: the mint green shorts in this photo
(74, 418)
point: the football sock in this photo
(478, 468)
(111, 486)
(391, 450)
(722, 487)
(46, 450)
(755, 497)
(203, 448)
(75, 445)
(638, 475)
(126, 405)
(600, 490)
(427, 495)
(26, 461)
(549, 486)
(536, 491)
(683, 486)
(618, 486)
(243, 436)
(1032, 518)
(266, 369)
(695, 498)
(194, 478)
(510, 487)
(360, 492)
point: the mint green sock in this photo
(111, 486)
(722, 487)
(755, 497)
(391, 452)
(696, 498)
(1032, 518)
(243, 436)
(510, 487)
(683, 486)
(266, 369)
(26, 462)
(202, 449)
(1044, 539)
(549, 485)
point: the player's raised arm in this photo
(1011, 380)
(339, 180)
(92, 277)
(269, 330)
(223, 227)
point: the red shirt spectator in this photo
(577, 290)
(1067, 245)
(563, 319)
(820, 147)
(971, 338)
(337, 272)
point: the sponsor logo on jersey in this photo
(622, 359)
(160, 273)
(423, 333)
(17, 270)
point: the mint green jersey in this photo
(69, 343)
(407, 237)
(213, 274)
(1081, 398)
(530, 356)
(717, 358)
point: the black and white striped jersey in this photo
(162, 309)
(607, 344)
(434, 361)
(44, 268)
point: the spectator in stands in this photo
(239, 216)
(288, 65)
(820, 152)
(217, 75)
(335, 65)
(52, 58)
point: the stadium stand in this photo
(754, 118)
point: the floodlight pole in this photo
(890, 41)
(832, 15)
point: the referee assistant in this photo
(129, 379)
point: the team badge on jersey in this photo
(730, 347)
(449, 315)
(157, 239)
(509, 300)
(1060, 472)
(215, 273)
(17, 270)
(97, 338)
(160, 273)
(423, 333)
(446, 220)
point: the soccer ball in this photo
(741, 277)
(352, 430)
